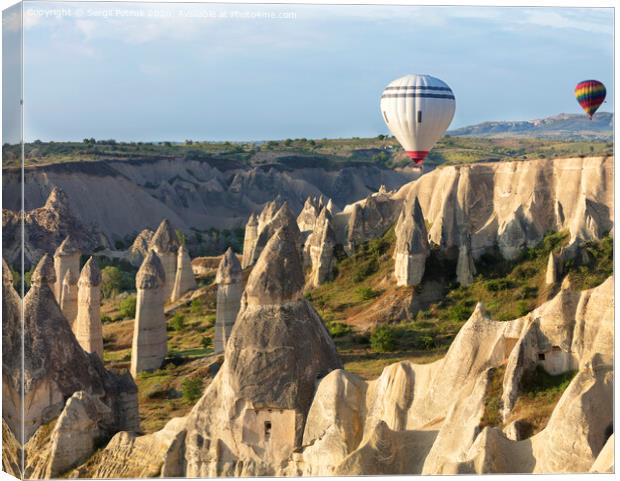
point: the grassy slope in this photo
(327, 152)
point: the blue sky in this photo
(185, 75)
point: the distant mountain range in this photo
(561, 126)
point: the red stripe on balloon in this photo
(417, 156)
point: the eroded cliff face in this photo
(513, 204)
(435, 411)
(45, 228)
(201, 194)
(508, 204)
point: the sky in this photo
(153, 72)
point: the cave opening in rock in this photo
(267, 430)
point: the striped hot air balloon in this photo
(417, 109)
(590, 95)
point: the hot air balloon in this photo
(590, 95)
(417, 109)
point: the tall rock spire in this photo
(149, 348)
(184, 280)
(165, 244)
(66, 257)
(88, 329)
(412, 247)
(229, 290)
(251, 234)
(319, 250)
(69, 297)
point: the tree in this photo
(383, 339)
(127, 307)
(192, 388)
(112, 281)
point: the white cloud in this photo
(587, 20)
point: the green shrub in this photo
(527, 292)
(338, 329)
(383, 339)
(425, 342)
(114, 281)
(206, 342)
(366, 293)
(192, 388)
(496, 285)
(127, 307)
(196, 306)
(210, 320)
(459, 312)
(177, 323)
(106, 319)
(365, 269)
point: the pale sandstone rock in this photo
(130, 456)
(140, 247)
(11, 453)
(66, 257)
(514, 204)
(88, 329)
(55, 366)
(309, 214)
(319, 250)
(230, 287)
(184, 280)
(251, 416)
(446, 398)
(465, 268)
(249, 239)
(83, 421)
(165, 244)
(413, 418)
(44, 272)
(387, 452)
(605, 460)
(69, 297)
(11, 364)
(269, 223)
(412, 247)
(368, 219)
(551, 276)
(45, 226)
(149, 345)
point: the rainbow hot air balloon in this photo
(417, 109)
(590, 95)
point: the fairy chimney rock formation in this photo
(412, 247)
(278, 276)
(251, 233)
(55, 366)
(140, 247)
(465, 269)
(69, 297)
(306, 220)
(165, 244)
(66, 257)
(277, 351)
(44, 272)
(88, 329)
(319, 250)
(551, 276)
(271, 219)
(184, 280)
(229, 290)
(148, 349)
